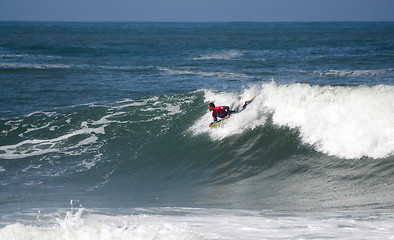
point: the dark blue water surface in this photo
(46, 65)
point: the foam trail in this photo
(35, 147)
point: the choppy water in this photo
(104, 131)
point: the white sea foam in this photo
(26, 56)
(35, 129)
(155, 104)
(35, 147)
(223, 75)
(347, 122)
(333, 72)
(88, 164)
(104, 120)
(31, 167)
(190, 224)
(222, 55)
(33, 66)
(14, 55)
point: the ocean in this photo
(104, 130)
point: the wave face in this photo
(299, 138)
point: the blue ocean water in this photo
(104, 130)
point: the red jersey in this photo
(220, 112)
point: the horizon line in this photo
(246, 21)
